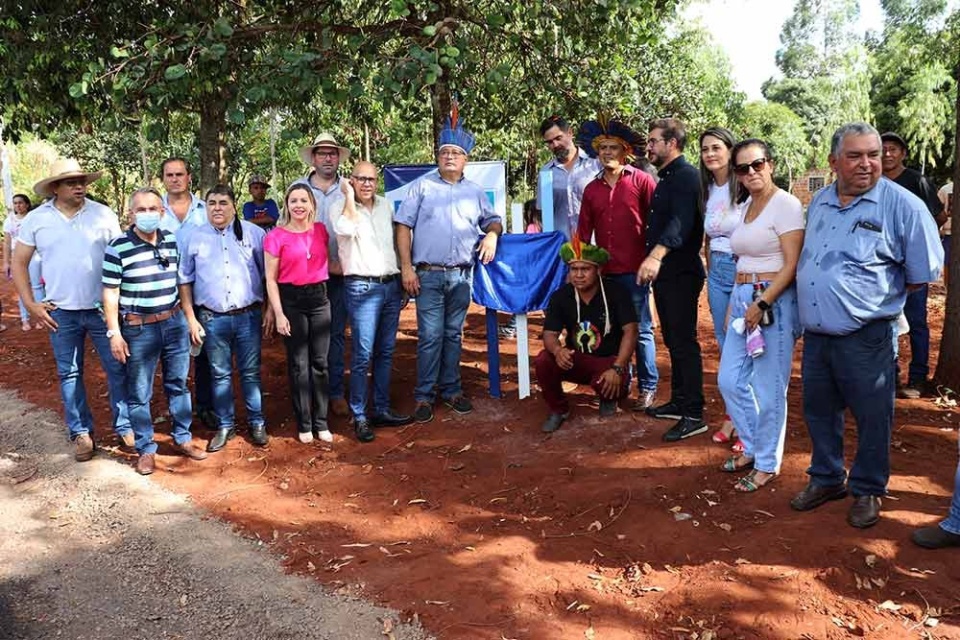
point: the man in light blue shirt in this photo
(437, 227)
(222, 288)
(182, 207)
(868, 242)
(572, 171)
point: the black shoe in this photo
(258, 435)
(685, 428)
(390, 419)
(668, 411)
(554, 420)
(423, 412)
(607, 407)
(363, 430)
(864, 512)
(459, 404)
(220, 439)
(935, 538)
(208, 419)
(815, 495)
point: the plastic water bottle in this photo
(756, 345)
(195, 349)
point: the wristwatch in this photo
(618, 369)
(111, 333)
(763, 305)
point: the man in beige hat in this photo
(71, 232)
(324, 156)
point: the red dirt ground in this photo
(484, 528)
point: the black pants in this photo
(308, 310)
(676, 297)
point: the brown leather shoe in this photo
(146, 464)
(191, 450)
(339, 407)
(83, 444)
(128, 440)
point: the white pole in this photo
(523, 346)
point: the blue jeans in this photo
(856, 371)
(229, 335)
(338, 326)
(646, 352)
(68, 343)
(952, 523)
(375, 313)
(755, 389)
(720, 280)
(915, 309)
(36, 284)
(441, 309)
(166, 342)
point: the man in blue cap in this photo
(437, 226)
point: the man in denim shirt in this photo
(869, 241)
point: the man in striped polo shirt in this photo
(145, 324)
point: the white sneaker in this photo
(645, 400)
(305, 437)
(325, 436)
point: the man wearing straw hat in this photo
(71, 232)
(324, 156)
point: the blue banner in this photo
(526, 271)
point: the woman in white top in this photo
(767, 245)
(11, 230)
(721, 216)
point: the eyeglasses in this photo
(162, 260)
(451, 153)
(364, 179)
(326, 153)
(652, 141)
(756, 165)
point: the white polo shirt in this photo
(72, 251)
(366, 246)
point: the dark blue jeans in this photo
(375, 315)
(856, 371)
(229, 336)
(69, 345)
(338, 327)
(441, 309)
(168, 343)
(646, 352)
(915, 309)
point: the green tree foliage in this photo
(783, 130)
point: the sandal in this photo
(721, 436)
(749, 484)
(737, 447)
(730, 464)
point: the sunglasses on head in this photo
(756, 165)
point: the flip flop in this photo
(730, 465)
(749, 484)
(737, 447)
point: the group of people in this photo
(191, 277)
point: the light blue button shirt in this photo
(196, 216)
(858, 259)
(568, 189)
(325, 200)
(446, 219)
(226, 273)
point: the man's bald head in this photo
(364, 181)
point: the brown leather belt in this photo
(442, 267)
(138, 319)
(233, 312)
(750, 278)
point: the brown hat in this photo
(325, 139)
(258, 179)
(890, 136)
(64, 169)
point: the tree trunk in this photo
(440, 103)
(948, 365)
(213, 124)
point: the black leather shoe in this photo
(864, 512)
(685, 428)
(209, 419)
(423, 413)
(390, 419)
(553, 422)
(258, 435)
(607, 407)
(363, 430)
(935, 538)
(668, 411)
(815, 495)
(220, 439)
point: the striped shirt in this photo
(135, 266)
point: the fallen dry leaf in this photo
(417, 501)
(440, 603)
(595, 526)
(889, 605)
(465, 448)
(311, 566)
(359, 545)
(742, 561)
(675, 509)
(726, 527)
(589, 634)
(871, 560)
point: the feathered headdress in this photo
(577, 251)
(593, 132)
(453, 134)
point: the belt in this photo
(380, 279)
(750, 278)
(442, 267)
(138, 319)
(234, 312)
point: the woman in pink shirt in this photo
(295, 256)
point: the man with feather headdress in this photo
(437, 226)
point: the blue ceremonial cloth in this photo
(526, 270)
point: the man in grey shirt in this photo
(572, 169)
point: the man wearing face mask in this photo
(146, 326)
(572, 170)
(70, 232)
(222, 288)
(324, 156)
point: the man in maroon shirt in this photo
(614, 210)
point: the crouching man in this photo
(601, 334)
